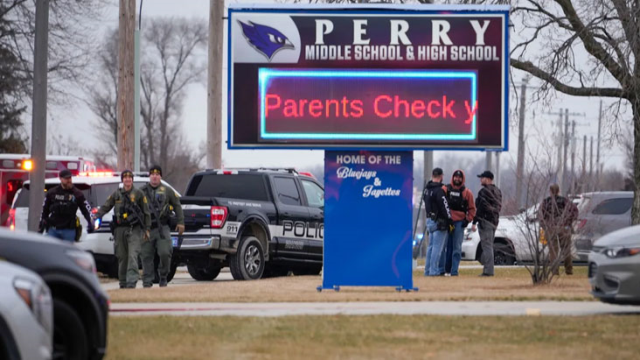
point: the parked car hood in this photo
(629, 236)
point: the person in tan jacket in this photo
(463, 210)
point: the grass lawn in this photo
(508, 284)
(377, 337)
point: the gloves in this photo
(180, 229)
(42, 226)
(451, 228)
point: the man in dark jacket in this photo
(557, 215)
(59, 209)
(488, 206)
(438, 221)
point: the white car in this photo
(26, 314)
(515, 240)
(96, 187)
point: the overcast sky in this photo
(541, 126)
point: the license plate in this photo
(174, 240)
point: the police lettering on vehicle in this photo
(303, 229)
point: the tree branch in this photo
(569, 90)
(590, 44)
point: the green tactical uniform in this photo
(162, 201)
(132, 219)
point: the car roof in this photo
(608, 194)
(90, 180)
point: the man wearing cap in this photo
(59, 209)
(488, 206)
(463, 210)
(132, 222)
(436, 207)
(162, 201)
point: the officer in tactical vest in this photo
(59, 209)
(130, 225)
(162, 201)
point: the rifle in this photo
(135, 210)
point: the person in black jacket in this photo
(59, 209)
(488, 206)
(438, 221)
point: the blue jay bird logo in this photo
(265, 39)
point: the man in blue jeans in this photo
(463, 210)
(438, 221)
(59, 209)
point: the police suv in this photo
(96, 187)
(258, 222)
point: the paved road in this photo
(182, 277)
(468, 308)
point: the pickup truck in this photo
(258, 222)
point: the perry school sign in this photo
(368, 78)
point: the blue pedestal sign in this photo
(368, 216)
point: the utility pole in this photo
(560, 141)
(566, 139)
(598, 152)
(214, 93)
(521, 148)
(126, 84)
(39, 115)
(592, 185)
(573, 158)
(487, 160)
(584, 165)
(498, 153)
(428, 164)
(136, 93)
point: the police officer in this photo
(131, 222)
(162, 201)
(557, 215)
(59, 209)
(438, 221)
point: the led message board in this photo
(368, 78)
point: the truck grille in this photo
(593, 269)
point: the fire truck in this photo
(15, 169)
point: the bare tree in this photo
(171, 51)
(102, 98)
(71, 25)
(606, 31)
(169, 66)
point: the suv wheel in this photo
(248, 262)
(203, 273)
(503, 254)
(69, 336)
